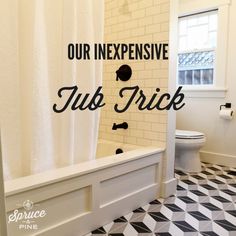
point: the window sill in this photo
(204, 92)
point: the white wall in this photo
(202, 114)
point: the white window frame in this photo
(218, 89)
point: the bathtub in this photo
(74, 200)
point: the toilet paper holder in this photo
(227, 105)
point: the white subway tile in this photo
(147, 21)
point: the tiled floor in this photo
(204, 204)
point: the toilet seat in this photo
(185, 134)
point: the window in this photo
(197, 49)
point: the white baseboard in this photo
(218, 158)
(168, 188)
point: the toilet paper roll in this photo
(226, 114)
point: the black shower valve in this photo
(124, 73)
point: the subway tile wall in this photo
(135, 21)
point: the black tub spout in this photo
(123, 125)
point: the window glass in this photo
(197, 45)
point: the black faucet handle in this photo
(124, 73)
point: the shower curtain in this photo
(34, 39)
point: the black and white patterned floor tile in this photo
(204, 205)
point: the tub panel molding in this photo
(126, 184)
(46, 192)
(78, 204)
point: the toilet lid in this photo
(185, 134)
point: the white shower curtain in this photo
(34, 39)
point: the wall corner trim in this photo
(169, 188)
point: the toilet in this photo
(187, 147)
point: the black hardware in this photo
(124, 73)
(120, 126)
(119, 151)
(227, 105)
